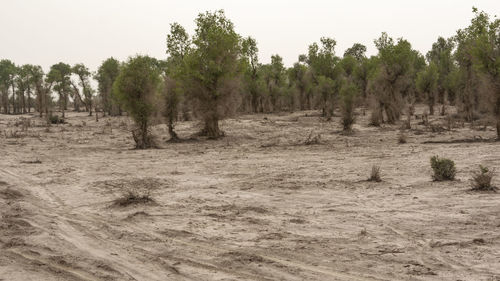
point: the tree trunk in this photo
(40, 101)
(24, 102)
(13, 96)
(255, 102)
(29, 99)
(145, 137)
(408, 118)
(64, 101)
(498, 128)
(171, 132)
(4, 102)
(212, 130)
(45, 101)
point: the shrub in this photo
(444, 169)
(375, 174)
(481, 179)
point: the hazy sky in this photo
(45, 32)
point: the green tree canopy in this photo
(427, 84)
(214, 68)
(60, 76)
(357, 51)
(106, 75)
(136, 87)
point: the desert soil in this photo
(258, 204)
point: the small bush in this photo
(444, 169)
(481, 179)
(375, 174)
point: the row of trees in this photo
(215, 73)
(25, 87)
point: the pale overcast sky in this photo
(89, 31)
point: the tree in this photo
(274, 77)
(394, 77)
(23, 83)
(364, 73)
(27, 80)
(325, 89)
(83, 74)
(60, 75)
(466, 40)
(299, 77)
(42, 89)
(106, 76)
(322, 62)
(136, 87)
(348, 94)
(441, 56)
(214, 69)
(178, 44)
(485, 54)
(349, 91)
(251, 73)
(7, 76)
(427, 85)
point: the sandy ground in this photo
(256, 205)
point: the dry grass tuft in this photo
(133, 197)
(135, 192)
(375, 174)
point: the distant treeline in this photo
(216, 72)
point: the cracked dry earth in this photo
(255, 205)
